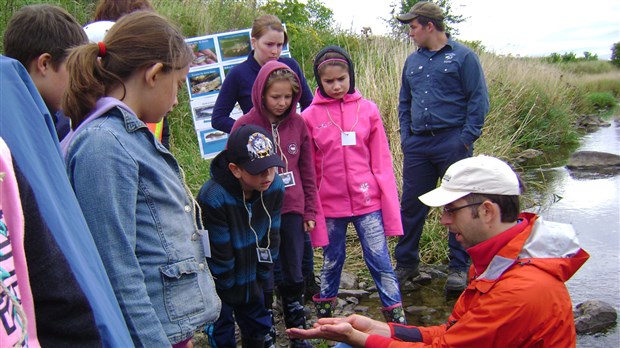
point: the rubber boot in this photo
(312, 287)
(293, 310)
(270, 338)
(252, 342)
(324, 306)
(395, 314)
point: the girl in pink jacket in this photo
(355, 179)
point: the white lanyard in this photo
(357, 118)
(250, 221)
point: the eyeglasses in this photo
(451, 211)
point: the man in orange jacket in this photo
(516, 295)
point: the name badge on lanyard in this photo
(264, 255)
(288, 178)
(206, 245)
(348, 138)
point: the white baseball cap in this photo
(480, 174)
(96, 31)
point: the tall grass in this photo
(533, 104)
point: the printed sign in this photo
(214, 56)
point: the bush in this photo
(600, 100)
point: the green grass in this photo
(600, 100)
(587, 67)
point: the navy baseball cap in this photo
(251, 147)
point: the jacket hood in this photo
(341, 51)
(319, 98)
(549, 246)
(261, 81)
(554, 248)
(223, 176)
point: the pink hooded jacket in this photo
(293, 144)
(13, 266)
(359, 179)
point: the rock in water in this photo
(593, 160)
(594, 316)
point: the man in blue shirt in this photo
(442, 105)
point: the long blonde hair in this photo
(138, 40)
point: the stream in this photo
(591, 204)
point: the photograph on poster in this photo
(211, 142)
(235, 46)
(204, 51)
(202, 110)
(203, 113)
(228, 67)
(204, 82)
(214, 135)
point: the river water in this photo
(591, 203)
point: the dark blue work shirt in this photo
(443, 89)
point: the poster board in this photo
(214, 55)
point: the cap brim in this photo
(258, 166)
(440, 196)
(406, 17)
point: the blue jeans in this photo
(425, 160)
(369, 228)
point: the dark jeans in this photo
(425, 160)
(296, 250)
(253, 319)
(307, 263)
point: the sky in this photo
(519, 28)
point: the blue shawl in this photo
(27, 128)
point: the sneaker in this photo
(457, 280)
(406, 273)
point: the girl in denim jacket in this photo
(130, 187)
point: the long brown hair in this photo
(138, 40)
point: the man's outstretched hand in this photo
(353, 330)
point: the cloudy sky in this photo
(530, 28)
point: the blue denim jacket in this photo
(443, 89)
(142, 219)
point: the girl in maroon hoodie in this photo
(275, 93)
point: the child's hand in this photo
(309, 225)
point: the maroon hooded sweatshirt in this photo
(293, 144)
